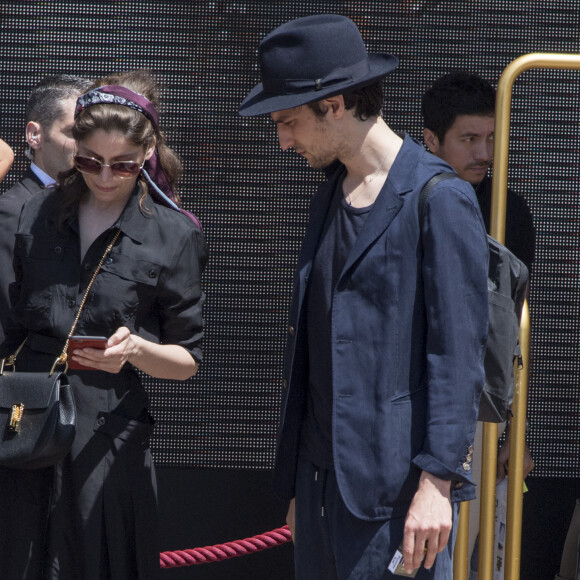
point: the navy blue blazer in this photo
(409, 327)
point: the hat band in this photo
(296, 86)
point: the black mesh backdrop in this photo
(253, 199)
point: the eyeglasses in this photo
(92, 166)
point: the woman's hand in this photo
(120, 347)
(162, 361)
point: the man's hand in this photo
(290, 519)
(503, 457)
(428, 523)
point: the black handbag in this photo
(37, 410)
(37, 419)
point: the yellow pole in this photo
(461, 549)
(517, 433)
(502, 126)
(487, 501)
(516, 468)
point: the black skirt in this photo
(94, 514)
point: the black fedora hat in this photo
(312, 58)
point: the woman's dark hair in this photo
(367, 102)
(135, 126)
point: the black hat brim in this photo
(259, 102)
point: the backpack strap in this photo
(427, 190)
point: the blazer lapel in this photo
(384, 210)
(318, 211)
(31, 182)
(390, 200)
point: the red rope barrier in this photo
(225, 551)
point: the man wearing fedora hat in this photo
(387, 327)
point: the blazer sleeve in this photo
(454, 269)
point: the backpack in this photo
(507, 282)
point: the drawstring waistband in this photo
(321, 475)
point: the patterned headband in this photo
(118, 95)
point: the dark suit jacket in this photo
(11, 202)
(409, 327)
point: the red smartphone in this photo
(82, 342)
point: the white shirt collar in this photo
(46, 179)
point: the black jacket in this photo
(88, 521)
(11, 203)
(520, 235)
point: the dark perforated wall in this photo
(253, 199)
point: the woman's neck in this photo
(96, 217)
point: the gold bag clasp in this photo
(16, 417)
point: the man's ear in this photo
(431, 140)
(336, 105)
(34, 134)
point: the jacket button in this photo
(458, 485)
(72, 303)
(58, 250)
(109, 260)
(101, 421)
(291, 330)
(152, 273)
(466, 466)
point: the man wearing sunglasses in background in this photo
(49, 120)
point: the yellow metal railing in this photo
(519, 407)
(461, 550)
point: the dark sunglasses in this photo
(92, 166)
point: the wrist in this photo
(443, 486)
(134, 348)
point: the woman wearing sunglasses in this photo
(93, 515)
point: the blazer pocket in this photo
(401, 398)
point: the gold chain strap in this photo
(62, 358)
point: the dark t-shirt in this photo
(520, 235)
(341, 229)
